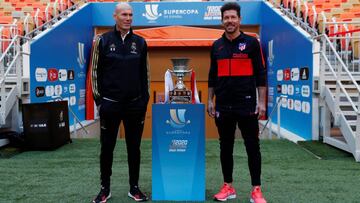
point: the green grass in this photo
(71, 174)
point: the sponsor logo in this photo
(62, 75)
(112, 47)
(151, 12)
(52, 74)
(287, 74)
(40, 74)
(297, 90)
(65, 89)
(304, 73)
(212, 13)
(38, 125)
(72, 100)
(49, 91)
(81, 59)
(71, 74)
(305, 107)
(72, 88)
(177, 118)
(290, 89)
(279, 75)
(240, 55)
(295, 74)
(284, 89)
(290, 104)
(178, 145)
(297, 105)
(305, 91)
(58, 90)
(39, 91)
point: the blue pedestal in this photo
(178, 152)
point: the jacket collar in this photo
(242, 35)
(118, 34)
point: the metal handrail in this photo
(9, 47)
(2, 80)
(52, 20)
(343, 66)
(281, 97)
(340, 84)
(340, 60)
(296, 19)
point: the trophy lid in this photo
(180, 63)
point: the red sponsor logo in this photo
(287, 74)
(52, 74)
(240, 55)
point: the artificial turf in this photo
(289, 173)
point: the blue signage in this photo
(178, 152)
(175, 13)
(290, 67)
(59, 61)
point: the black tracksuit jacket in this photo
(122, 73)
(236, 70)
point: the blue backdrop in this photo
(290, 71)
(59, 60)
(59, 52)
(175, 13)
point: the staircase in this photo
(339, 95)
(10, 87)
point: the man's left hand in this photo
(260, 110)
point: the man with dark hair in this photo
(121, 92)
(236, 72)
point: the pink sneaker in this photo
(256, 196)
(226, 192)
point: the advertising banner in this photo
(176, 13)
(289, 67)
(178, 152)
(58, 63)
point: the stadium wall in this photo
(58, 62)
(289, 62)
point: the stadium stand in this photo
(335, 24)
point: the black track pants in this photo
(133, 116)
(226, 123)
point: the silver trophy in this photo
(180, 94)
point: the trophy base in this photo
(180, 96)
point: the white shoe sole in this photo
(137, 200)
(223, 200)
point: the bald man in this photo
(121, 93)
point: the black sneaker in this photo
(137, 195)
(103, 196)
